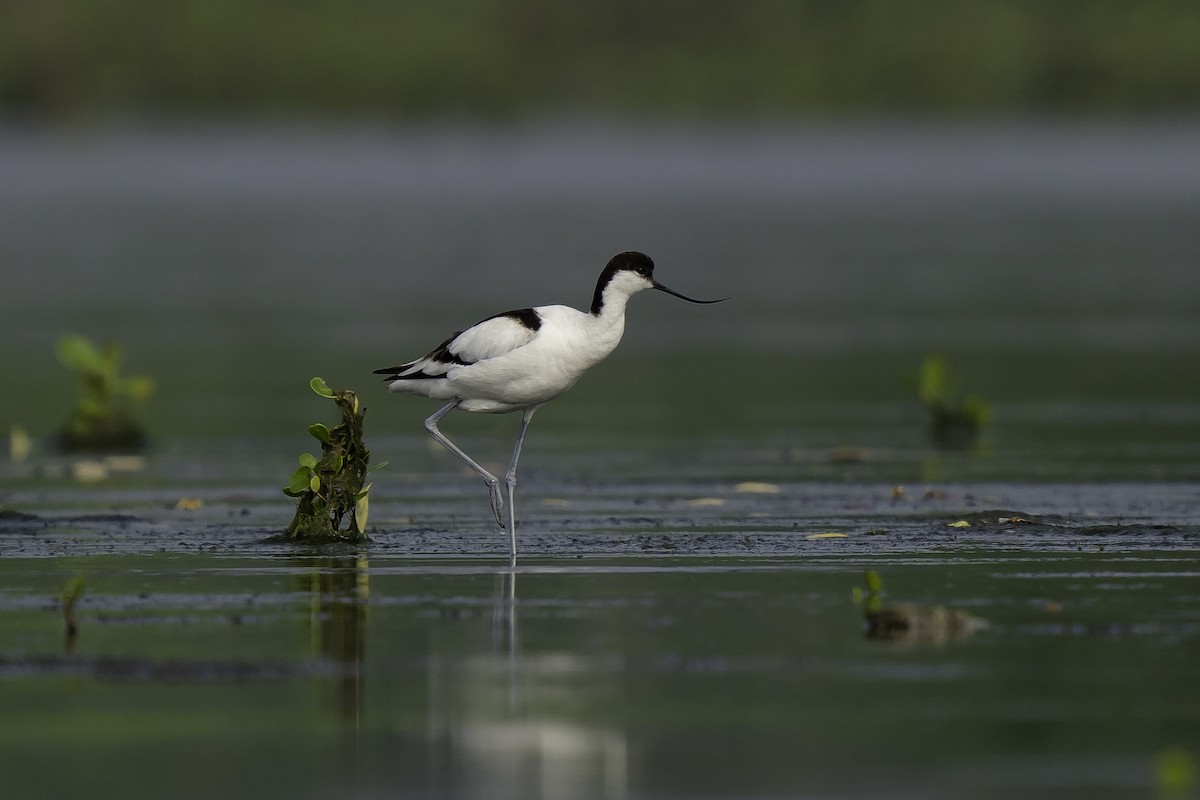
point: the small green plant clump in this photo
(70, 595)
(954, 421)
(930, 624)
(333, 499)
(1176, 774)
(104, 418)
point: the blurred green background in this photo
(79, 59)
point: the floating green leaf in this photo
(308, 460)
(361, 505)
(314, 484)
(319, 432)
(298, 482)
(321, 387)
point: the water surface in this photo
(695, 516)
(1053, 259)
(702, 677)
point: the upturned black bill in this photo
(663, 288)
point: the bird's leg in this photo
(510, 481)
(493, 483)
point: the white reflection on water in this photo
(537, 758)
(484, 714)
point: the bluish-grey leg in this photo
(510, 481)
(493, 483)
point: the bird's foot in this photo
(497, 504)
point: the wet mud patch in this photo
(623, 519)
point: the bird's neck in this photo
(608, 318)
(609, 302)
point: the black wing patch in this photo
(528, 317)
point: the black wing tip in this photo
(401, 373)
(390, 373)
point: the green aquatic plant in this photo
(955, 420)
(19, 444)
(104, 417)
(72, 591)
(927, 624)
(333, 499)
(1175, 774)
(872, 597)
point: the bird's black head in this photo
(632, 261)
(638, 264)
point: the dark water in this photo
(695, 516)
(371, 676)
(1054, 264)
(688, 637)
(228, 259)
